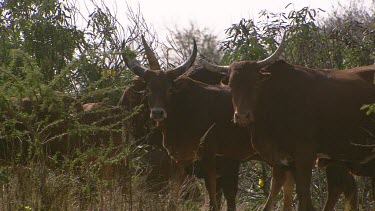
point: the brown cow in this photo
(227, 169)
(297, 113)
(185, 109)
(335, 169)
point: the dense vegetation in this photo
(48, 64)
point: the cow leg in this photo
(334, 185)
(303, 164)
(277, 181)
(229, 183)
(288, 188)
(208, 164)
(340, 181)
(351, 193)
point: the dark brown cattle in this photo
(227, 169)
(298, 113)
(227, 178)
(185, 109)
(161, 168)
(346, 185)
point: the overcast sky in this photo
(214, 14)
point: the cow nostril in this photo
(158, 113)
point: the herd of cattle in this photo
(283, 114)
(215, 117)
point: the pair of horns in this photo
(154, 64)
(271, 59)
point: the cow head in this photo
(158, 82)
(244, 80)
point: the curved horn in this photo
(133, 66)
(213, 67)
(271, 59)
(152, 60)
(187, 64)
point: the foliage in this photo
(243, 43)
(49, 68)
(39, 27)
(180, 42)
(342, 41)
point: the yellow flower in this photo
(260, 182)
(112, 72)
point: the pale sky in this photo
(214, 14)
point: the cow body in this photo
(297, 113)
(227, 169)
(320, 108)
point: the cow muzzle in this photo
(243, 118)
(158, 114)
